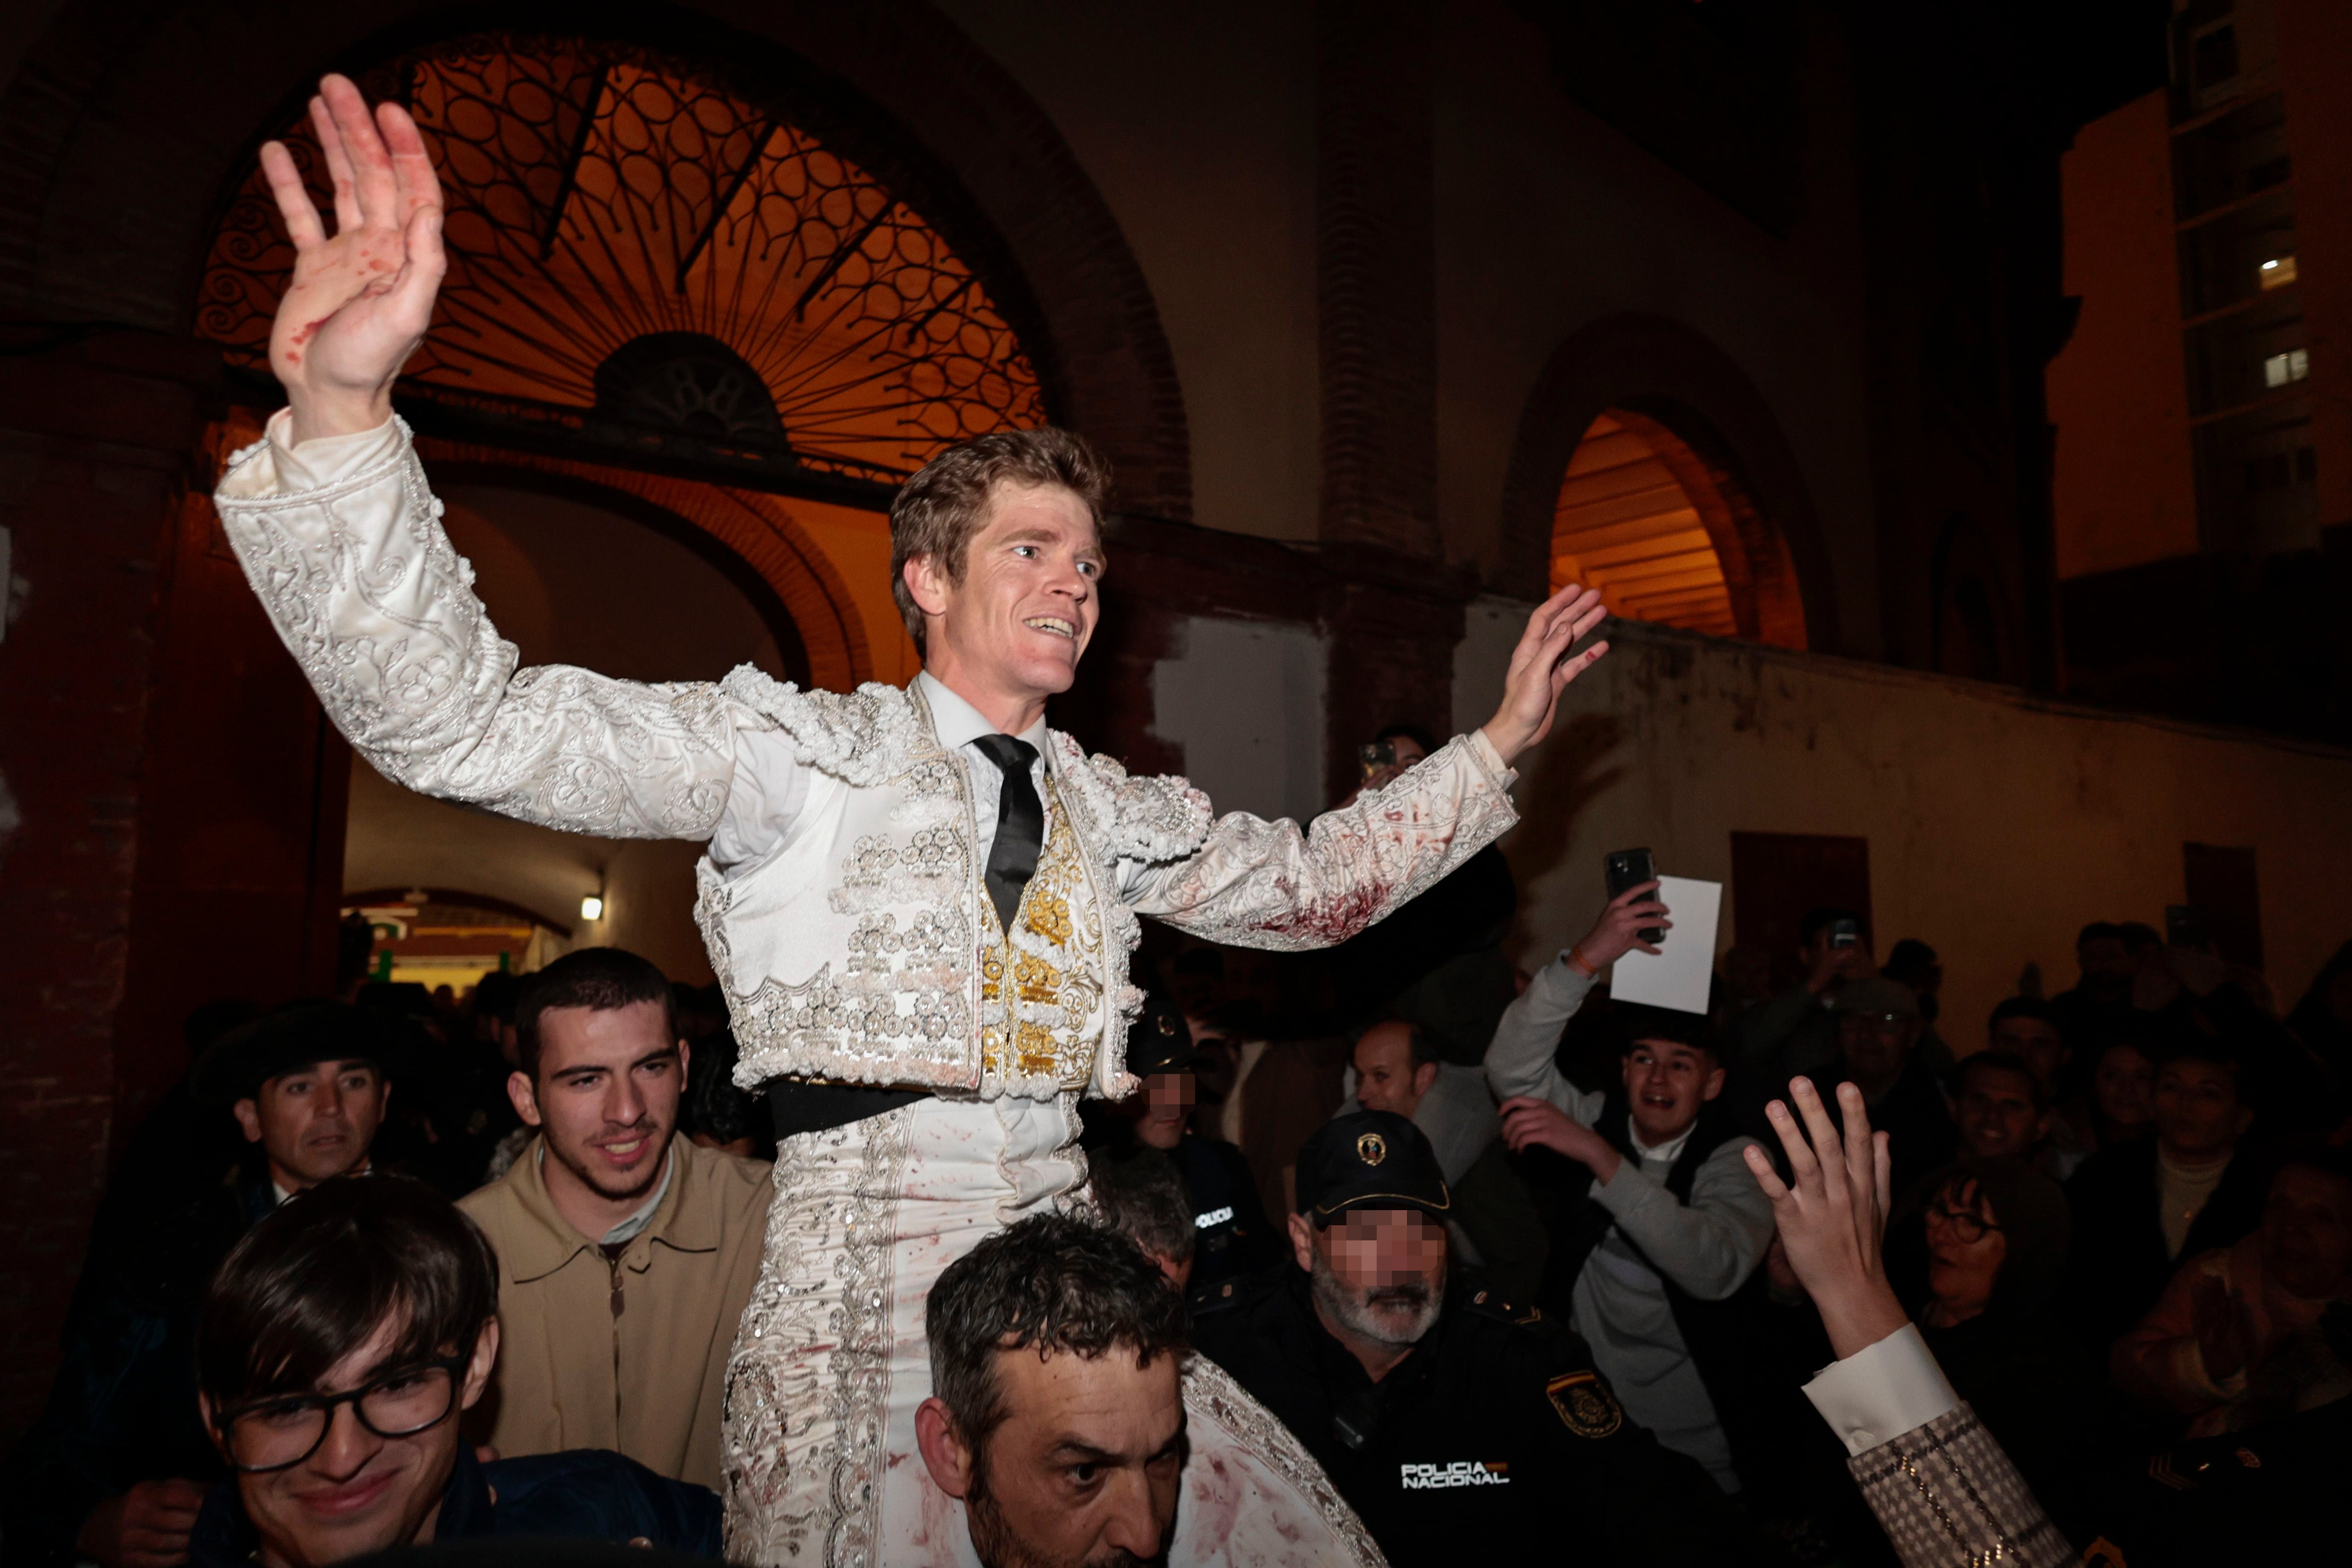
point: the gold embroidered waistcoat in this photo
(1038, 991)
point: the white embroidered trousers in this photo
(831, 1360)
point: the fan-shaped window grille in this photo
(646, 259)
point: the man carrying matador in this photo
(920, 901)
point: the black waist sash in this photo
(800, 1105)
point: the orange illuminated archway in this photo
(1667, 537)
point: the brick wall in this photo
(96, 435)
(1376, 272)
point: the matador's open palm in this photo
(359, 301)
(1541, 668)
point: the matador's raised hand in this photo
(359, 301)
(1541, 669)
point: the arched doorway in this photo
(1646, 519)
(1647, 462)
(689, 303)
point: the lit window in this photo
(2278, 272)
(2281, 369)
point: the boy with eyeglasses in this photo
(340, 1342)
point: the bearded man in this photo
(1447, 1419)
(920, 901)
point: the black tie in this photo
(1020, 825)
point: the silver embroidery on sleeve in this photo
(1256, 883)
(370, 599)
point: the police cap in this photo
(1369, 1159)
(1160, 1041)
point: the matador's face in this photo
(1024, 609)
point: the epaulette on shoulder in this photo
(1487, 1303)
(1223, 1296)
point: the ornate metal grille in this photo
(642, 256)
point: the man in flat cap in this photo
(115, 1469)
(1445, 1418)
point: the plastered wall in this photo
(1998, 826)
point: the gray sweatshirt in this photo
(1709, 1247)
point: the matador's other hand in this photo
(361, 302)
(1541, 668)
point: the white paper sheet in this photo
(1677, 975)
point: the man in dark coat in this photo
(1232, 1235)
(2142, 1208)
(115, 1467)
(338, 1344)
(1450, 1423)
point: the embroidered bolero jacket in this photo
(857, 944)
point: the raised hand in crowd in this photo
(1619, 930)
(146, 1527)
(1834, 964)
(1532, 1122)
(1832, 1213)
(361, 300)
(2225, 1334)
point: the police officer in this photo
(1232, 1233)
(1448, 1421)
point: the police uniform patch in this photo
(1585, 1404)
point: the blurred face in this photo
(2197, 1116)
(315, 1122)
(359, 1492)
(2124, 1085)
(1082, 1471)
(1997, 1113)
(1386, 1078)
(2104, 959)
(2036, 1041)
(1668, 1082)
(1378, 1274)
(1874, 1045)
(1023, 614)
(605, 1100)
(1964, 1250)
(1161, 1106)
(2307, 1234)
(1749, 972)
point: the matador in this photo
(920, 901)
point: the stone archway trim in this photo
(821, 620)
(1667, 374)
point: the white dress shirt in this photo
(771, 787)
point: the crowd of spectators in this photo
(400, 1267)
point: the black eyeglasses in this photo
(1967, 1225)
(277, 1434)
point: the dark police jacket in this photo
(1231, 1234)
(587, 1494)
(1493, 1438)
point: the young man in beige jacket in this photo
(625, 1252)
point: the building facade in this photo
(1390, 314)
